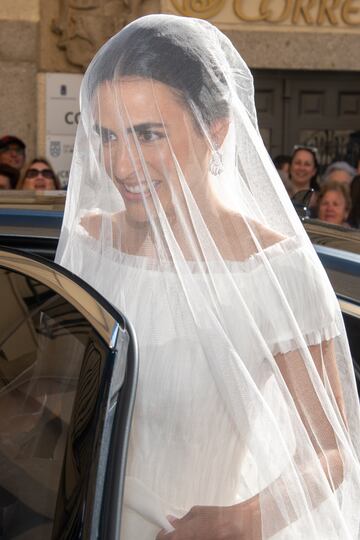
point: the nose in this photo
(125, 160)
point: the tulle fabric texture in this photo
(177, 216)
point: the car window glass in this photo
(47, 351)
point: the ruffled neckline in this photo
(284, 247)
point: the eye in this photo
(107, 136)
(149, 136)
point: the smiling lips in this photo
(302, 174)
(136, 192)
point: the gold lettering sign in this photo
(203, 9)
(303, 8)
(262, 13)
(327, 10)
(348, 10)
(284, 14)
(290, 12)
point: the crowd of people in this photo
(334, 195)
(37, 175)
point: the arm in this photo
(244, 520)
(312, 414)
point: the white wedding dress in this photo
(165, 457)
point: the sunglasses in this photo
(312, 149)
(46, 173)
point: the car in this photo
(339, 251)
(68, 366)
(31, 221)
(68, 377)
(338, 248)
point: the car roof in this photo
(52, 199)
(333, 236)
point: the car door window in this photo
(51, 362)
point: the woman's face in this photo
(332, 208)
(145, 129)
(39, 177)
(302, 169)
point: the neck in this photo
(300, 187)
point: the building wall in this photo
(42, 36)
(19, 22)
(285, 34)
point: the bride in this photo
(246, 424)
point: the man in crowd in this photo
(12, 152)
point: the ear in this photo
(218, 131)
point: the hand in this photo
(238, 522)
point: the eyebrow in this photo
(138, 128)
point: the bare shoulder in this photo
(245, 235)
(266, 236)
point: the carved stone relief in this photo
(84, 25)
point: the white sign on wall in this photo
(62, 117)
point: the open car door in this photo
(68, 373)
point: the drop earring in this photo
(216, 166)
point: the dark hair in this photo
(313, 180)
(339, 187)
(354, 216)
(177, 59)
(281, 160)
(11, 173)
(11, 139)
(45, 162)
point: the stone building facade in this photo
(304, 55)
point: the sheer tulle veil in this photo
(177, 216)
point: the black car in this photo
(68, 374)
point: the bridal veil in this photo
(176, 214)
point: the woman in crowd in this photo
(39, 176)
(304, 168)
(246, 424)
(334, 203)
(303, 172)
(339, 171)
